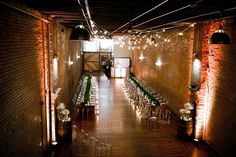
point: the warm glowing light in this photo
(48, 118)
(192, 25)
(80, 26)
(71, 63)
(197, 64)
(141, 57)
(53, 120)
(158, 63)
(78, 57)
(180, 33)
(92, 24)
(55, 69)
(196, 69)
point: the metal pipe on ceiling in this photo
(140, 15)
(179, 9)
(84, 14)
(190, 18)
(23, 11)
(187, 6)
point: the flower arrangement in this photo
(185, 113)
(63, 113)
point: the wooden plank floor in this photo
(119, 125)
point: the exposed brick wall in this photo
(217, 92)
(172, 78)
(21, 73)
(68, 75)
(24, 78)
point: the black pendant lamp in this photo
(219, 37)
(79, 33)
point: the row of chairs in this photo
(146, 109)
(98, 146)
(77, 90)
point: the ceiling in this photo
(120, 15)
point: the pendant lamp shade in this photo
(219, 37)
(79, 34)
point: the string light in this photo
(180, 33)
(149, 38)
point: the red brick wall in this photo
(173, 76)
(24, 78)
(218, 88)
(21, 73)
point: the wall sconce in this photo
(158, 63)
(80, 33)
(219, 37)
(78, 57)
(141, 57)
(70, 63)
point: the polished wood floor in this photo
(119, 125)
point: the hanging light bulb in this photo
(180, 33)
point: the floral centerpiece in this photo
(87, 90)
(63, 113)
(185, 113)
